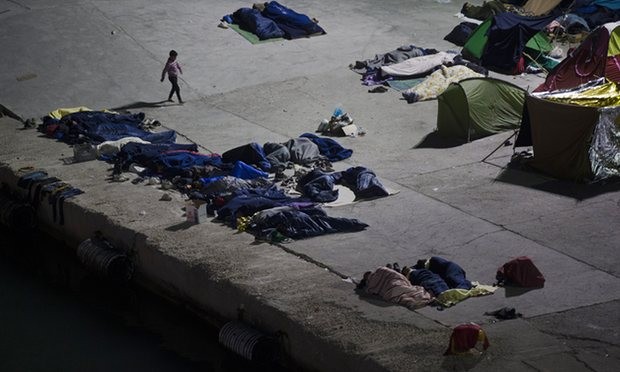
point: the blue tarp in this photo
(144, 153)
(329, 148)
(305, 223)
(246, 202)
(440, 276)
(176, 163)
(103, 126)
(609, 4)
(252, 154)
(246, 172)
(275, 20)
(294, 25)
(507, 37)
(253, 21)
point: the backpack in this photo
(520, 272)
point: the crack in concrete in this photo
(532, 366)
(311, 260)
(585, 364)
(475, 238)
(19, 4)
(580, 338)
(188, 139)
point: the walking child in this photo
(173, 68)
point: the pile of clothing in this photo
(247, 187)
(428, 72)
(41, 186)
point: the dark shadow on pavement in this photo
(180, 226)
(374, 300)
(517, 291)
(463, 362)
(435, 141)
(142, 104)
(572, 189)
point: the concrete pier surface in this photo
(480, 214)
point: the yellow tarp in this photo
(455, 295)
(59, 113)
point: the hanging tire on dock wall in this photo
(249, 343)
(17, 215)
(106, 261)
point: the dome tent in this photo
(597, 56)
(478, 107)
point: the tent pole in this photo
(498, 147)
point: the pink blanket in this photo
(392, 286)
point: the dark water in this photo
(57, 317)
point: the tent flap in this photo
(561, 135)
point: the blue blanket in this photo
(294, 25)
(99, 127)
(253, 21)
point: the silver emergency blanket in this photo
(605, 148)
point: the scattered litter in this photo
(119, 178)
(504, 313)
(84, 152)
(340, 124)
(30, 123)
(196, 211)
(134, 168)
(26, 77)
(153, 181)
(142, 213)
(137, 180)
(167, 185)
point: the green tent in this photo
(478, 107)
(536, 48)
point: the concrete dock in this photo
(480, 214)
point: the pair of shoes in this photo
(379, 89)
(181, 102)
(169, 100)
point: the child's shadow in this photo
(142, 104)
